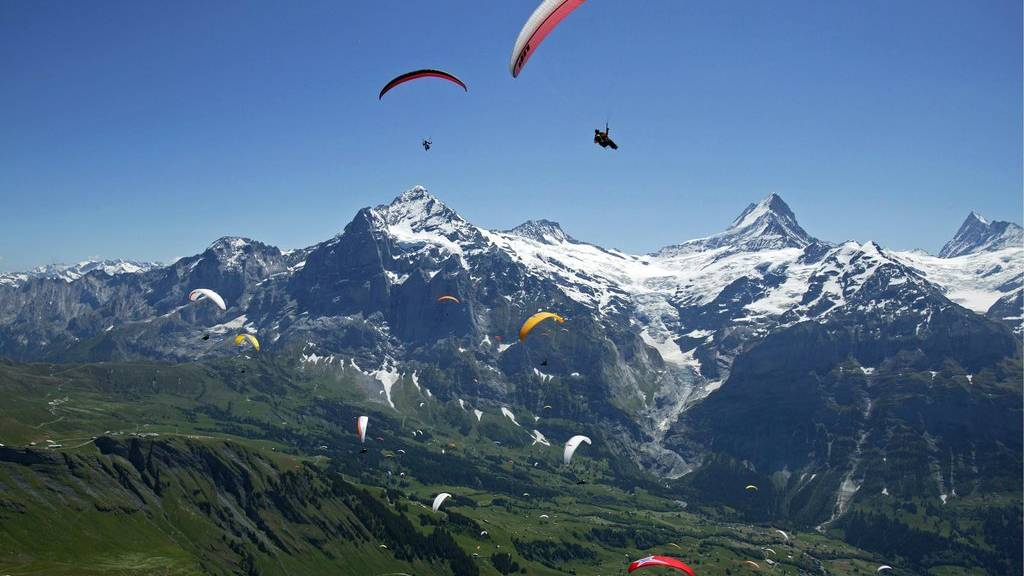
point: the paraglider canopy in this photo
(200, 294)
(754, 564)
(243, 338)
(361, 424)
(883, 568)
(537, 318)
(544, 19)
(439, 499)
(416, 75)
(660, 561)
(448, 298)
(571, 446)
(751, 488)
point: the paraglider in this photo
(543, 20)
(439, 499)
(243, 338)
(200, 294)
(571, 446)
(448, 298)
(426, 145)
(784, 535)
(769, 551)
(602, 139)
(754, 564)
(537, 318)
(883, 568)
(751, 488)
(417, 74)
(361, 424)
(660, 562)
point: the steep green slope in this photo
(252, 466)
(187, 506)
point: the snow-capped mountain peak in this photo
(770, 204)
(229, 244)
(977, 234)
(765, 225)
(542, 231)
(419, 210)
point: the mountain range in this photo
(757, 355)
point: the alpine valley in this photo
(872, 396)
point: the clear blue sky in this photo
(146, 129)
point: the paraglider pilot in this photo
(426, 144)
(602, 139)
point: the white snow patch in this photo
(670, 351)
(478, 414)
(387, 376)
(229, 326)
(712, 385)
(311, 358)
(508, 414)
(395, 279)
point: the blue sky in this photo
(148, 129)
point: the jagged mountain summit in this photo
(766, 225)
(977, 234)
(542, 231)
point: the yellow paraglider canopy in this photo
(537, 319)
(250, 338)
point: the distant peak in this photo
(977, 234)
(974, 215)
(419, 209)
(765, 225)
(70, 272)
(229, 243)
(772, 204)
(542, 231)
(415, 194)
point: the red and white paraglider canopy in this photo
(660, 562)
(549, 14)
